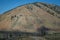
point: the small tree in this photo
(42, 30)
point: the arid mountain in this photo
(30, 17)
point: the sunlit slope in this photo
(29, 17)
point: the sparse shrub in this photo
(38, 5)
(30, 7)
(13, 17)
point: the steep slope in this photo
(29, 17)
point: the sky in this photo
(6, 5)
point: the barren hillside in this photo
(29, 17)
